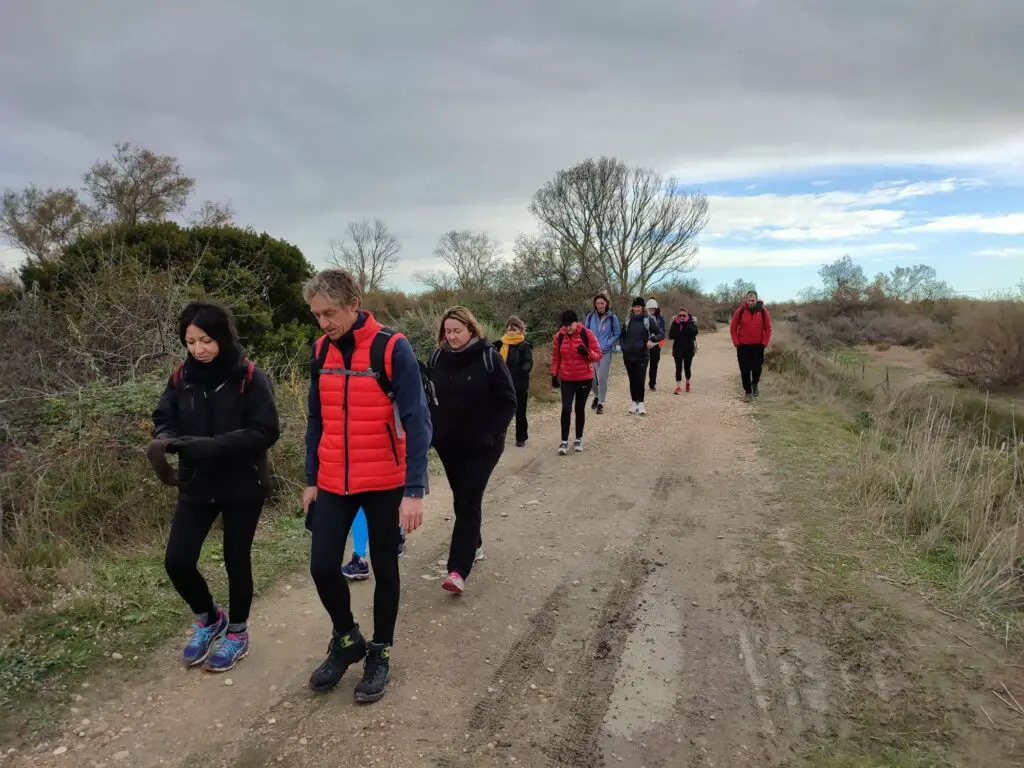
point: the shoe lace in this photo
(202, 632)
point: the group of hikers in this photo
(374, 412)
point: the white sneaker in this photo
(634, 407)
(641, 409)
(579, 446)
(479, 554)
(563, 449)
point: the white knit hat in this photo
(652, 304)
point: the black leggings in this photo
(468, 473)
(636, 370)
(751, 360)
(522, 424)
(578, 391)
(330, 523)
(189, 529)
(681, 363)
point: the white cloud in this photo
(714, 257)
(833, 215)
(1006, 224)
(1001, 253)
(820, 183)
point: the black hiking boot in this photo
(755, 393)
(376, 673)
(344, 651)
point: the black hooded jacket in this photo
(475, 400)
(684, 337)
(221, 423)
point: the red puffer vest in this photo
(566, 362)
(360, 447)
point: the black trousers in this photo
(653, 369)
(636, 372)
(751, 359)
(681, 363)
(578, 392)
(468, 472)
(189, 529)
(330, 523)
(522, 425)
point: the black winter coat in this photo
(635, 335)
(684, 338)
(520, 364)
(474, 405)
(224, 434)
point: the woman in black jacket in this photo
(475, 403)
(517, 353)
(684, 345)
(218, 414)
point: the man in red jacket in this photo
(751, 330)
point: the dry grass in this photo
(986, 347)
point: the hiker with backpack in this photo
(683, 333)
(367, 437)
(602, 323)
(751, 330)
(574, 353)
(640, 334)
(476, 400)
(217, 413)
(517, 353)
(652, 371)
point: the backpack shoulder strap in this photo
(489, 359)
(380, 349)
(249, 368)
(322, 352)
(178, 374)
(435, 355)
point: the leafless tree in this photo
(138, 185)
(39, 223)
(472, 258)
(369, 253)
(639, 226)
(914, 283)
(211, 214)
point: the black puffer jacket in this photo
(475, 401)
(221, 426)
(684, 337)
(520, 363)
(635, 335)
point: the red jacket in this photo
(566, 362)
(751, 327)
(361, 448)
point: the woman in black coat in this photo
(218, 415)
(683, 334)
(517, 353)
(475, 403)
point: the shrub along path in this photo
(646, 603)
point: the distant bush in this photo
(868, 327)
(986, 346)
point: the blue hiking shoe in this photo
(401, 542)
(357, 569)
(204, 637)
(231, 650)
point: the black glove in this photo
(156, 452)
(582, 349)
(554, 382)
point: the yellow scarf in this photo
(510, 340)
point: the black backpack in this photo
(583, 338)
(378, 368)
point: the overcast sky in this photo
(444, 114)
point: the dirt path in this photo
(612, 623)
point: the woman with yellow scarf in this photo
(517, 353)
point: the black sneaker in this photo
(376, 673)
(344, 651)
(600, 408)
(755, 393)
(594, 405)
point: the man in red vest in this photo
(366, 446)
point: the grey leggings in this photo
(602, 370)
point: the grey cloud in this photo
(449, 114)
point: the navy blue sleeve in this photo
(314, 422)
(411, 402)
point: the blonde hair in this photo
(464, 316)
(514, 321)
(336, 285)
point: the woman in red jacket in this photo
(573, 355)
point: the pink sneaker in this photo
(454, 583)
(679, 390)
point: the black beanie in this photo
(639, 302)
(569, 317)
(216, 320)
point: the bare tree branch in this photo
(472, 258)
(636, 225)
(40, 223)
(138, 185)
(369, 253)
(211, 214)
